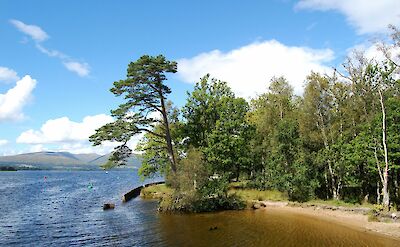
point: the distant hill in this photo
(133, 161)
(60, 161)
(87, 157)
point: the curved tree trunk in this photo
(168, 138)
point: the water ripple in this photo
(62, 210)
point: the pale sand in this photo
(351, 219)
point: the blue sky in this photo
(58, 59)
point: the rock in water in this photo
(108, 206)
(213, 228)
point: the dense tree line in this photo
(339, 140)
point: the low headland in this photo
(366, 217)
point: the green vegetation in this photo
(339, 203)
(197, 190)
(144, 91)
(259, 195)
(372, 217)
(156, 191)
(338, 141)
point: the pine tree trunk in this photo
(168, 138)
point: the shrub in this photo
(196, 204)
(197, 189)
(373, 216)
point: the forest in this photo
(338, 140)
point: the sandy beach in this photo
(346, 218)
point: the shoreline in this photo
(353, 217)
(345, 218)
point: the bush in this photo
(196, 204)
(231, 202)
(300, 194)
(197, 189)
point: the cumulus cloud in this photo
(249, 69)
(33, 31)
(8, 75)
(82, 69)
(366, 16)
(3, 142)
(63, 130)
(38, 35)
(376, 51)
(62, 134)
(36, 148)
(12, 102)
(373, 52)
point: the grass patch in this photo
(156, 191)
(259, 195)
(339, 203)
(238, 185)
(372, 217)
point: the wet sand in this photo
(269, 226)
(346, 218)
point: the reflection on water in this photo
(270, 227)
(61, 210)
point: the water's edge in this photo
(60, 208)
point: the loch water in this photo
(64, 208)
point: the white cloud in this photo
(63, 130)
(372, 52)
(3, 142)
(8, 75)
(33, 31)
(82, 69)
(37, 34)
(367, 16)
(376, 51)
(62, 134)
(12, 102)
(379, 53)
(51, 53)
(36, 148)
(249, 69)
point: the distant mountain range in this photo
(61, 161)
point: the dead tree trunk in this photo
(385, 190)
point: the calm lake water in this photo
(62, 210)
